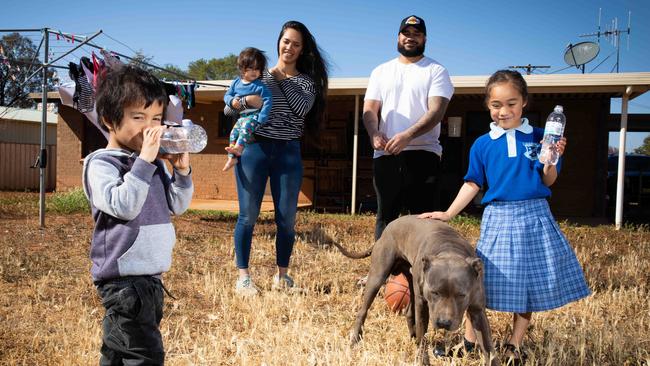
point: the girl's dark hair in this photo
(312, 63)
(251, 58)
(504, 76)
(125, 87)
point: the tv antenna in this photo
(529, 68)
(613, 35)
(580, 54)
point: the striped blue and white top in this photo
(292, 99)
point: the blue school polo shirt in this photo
(507, 162)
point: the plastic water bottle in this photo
(552, 134)
(188, 137)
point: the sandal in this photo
(515, 356)
(455, 351)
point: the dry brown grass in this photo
(50, 313)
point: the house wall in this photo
(71, 126)
(327, 182)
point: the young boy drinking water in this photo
(132, 195)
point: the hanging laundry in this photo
(66, 91)
(88, 70)
(191, 102)
(84, 95)
(99, 69)
(170, 88)
(112, 62)
(174, 110)
(184, 91)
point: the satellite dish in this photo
(580, 53)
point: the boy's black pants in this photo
(408, 182)
(131, 324)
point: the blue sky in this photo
(468, 37)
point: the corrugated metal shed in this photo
(19, 146)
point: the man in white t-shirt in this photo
(405, 100)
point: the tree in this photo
(224, 68)
(645, 148)
(18, 60)
(169, 75)
(140, 58)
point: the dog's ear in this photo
(426, 262)
(476, 264)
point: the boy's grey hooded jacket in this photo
(132, 202)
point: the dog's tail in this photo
(353, 255)
(319, 235)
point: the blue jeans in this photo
(279, 161)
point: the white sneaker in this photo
(246, 287)
(361, 282)
(285, 283)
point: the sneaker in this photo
(285, 283)
(361, 282)
(246, 287)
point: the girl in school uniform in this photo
(529, 265)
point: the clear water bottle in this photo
(186, 137)
(552, 134)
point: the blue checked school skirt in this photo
(529, 265)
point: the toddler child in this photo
(251, 63)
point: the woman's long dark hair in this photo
(312, 63)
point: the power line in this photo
(123, 44)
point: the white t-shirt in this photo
(403, 90)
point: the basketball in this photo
(396, 293)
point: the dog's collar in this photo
(496, 131)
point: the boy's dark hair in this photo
(125, 87)
(251, 58)
(503, 76)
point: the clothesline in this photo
(183, 76)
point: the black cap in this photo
(413, 21)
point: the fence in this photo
(16, 172)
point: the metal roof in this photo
(26, 115)
(611, 85)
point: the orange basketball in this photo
(396, 293)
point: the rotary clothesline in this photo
(69, 91)
(184, 91)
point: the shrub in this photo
(68, 202)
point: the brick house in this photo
(329, 175)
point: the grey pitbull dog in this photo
(445, 279)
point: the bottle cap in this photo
(558, 109)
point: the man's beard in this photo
(418, 51)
